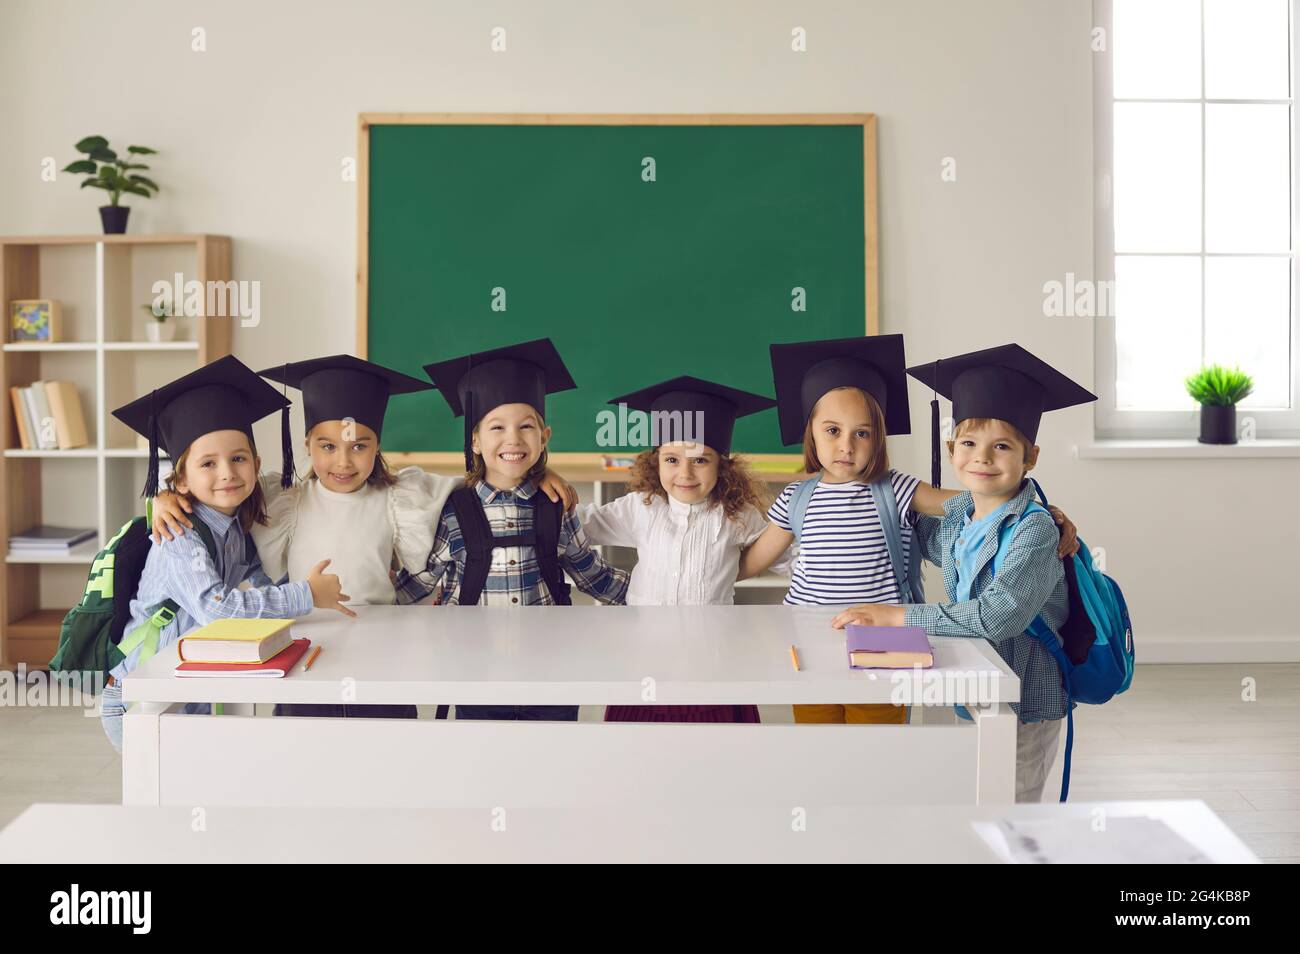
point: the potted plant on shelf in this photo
(115, 176)
(1219, 390)
(162, 324)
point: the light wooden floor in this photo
(1180, 732)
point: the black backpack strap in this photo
(476, 534)
(547, 515)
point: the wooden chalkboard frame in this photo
(579, 466)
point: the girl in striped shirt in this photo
(843, 397)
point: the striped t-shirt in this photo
(842, 553)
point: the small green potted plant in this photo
(161, 325)
(1219, 390)
(115, 176)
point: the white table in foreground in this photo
(78, 834)
(574, 655)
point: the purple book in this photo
(888, 647)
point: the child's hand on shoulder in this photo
(169, 510)
(558, 489)
(871, 614)
(1069, 545)
(326, 590)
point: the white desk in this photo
(577, 655)
(78, 834)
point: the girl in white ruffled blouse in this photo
(690, 511)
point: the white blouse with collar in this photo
(687, 554)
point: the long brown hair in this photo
(253, 508)
(736, 488)
(877, 466)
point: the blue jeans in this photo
(111, 710)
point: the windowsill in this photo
(1126, 448)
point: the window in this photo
(1195, 209)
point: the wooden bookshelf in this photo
(101, 281)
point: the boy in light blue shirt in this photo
(997, 547)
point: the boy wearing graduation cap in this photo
(204, 421)
(690, 510)
(499, 541)
(997, 547)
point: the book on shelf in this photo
(49, 539)
(49, 416)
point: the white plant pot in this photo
(160, 330)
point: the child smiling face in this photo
(342, 454)
(510, 439)
(688, 472)
(220, 470)
(991, 457)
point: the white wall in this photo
(253, 132)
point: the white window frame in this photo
(1109, 420)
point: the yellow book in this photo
(236, 641)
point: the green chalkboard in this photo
(635, 281)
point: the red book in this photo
(277, 667)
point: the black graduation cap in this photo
(222, 396)
(476, 383)
(338, 387)
(806, 370)
(1006, 383)
(718, 405)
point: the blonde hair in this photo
(878, 465)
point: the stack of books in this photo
(46, 540)
(256, 648)
(48, 414)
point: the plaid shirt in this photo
(514, 579)
(1030, 580)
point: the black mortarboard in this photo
(222, 396)
(339, 387)
(476, 383)
(1006, 383)
(680, 400)
(806, 370)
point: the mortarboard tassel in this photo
(469, 431)
(469, 419)
(151, 477)
(286, 441)
(935, 475)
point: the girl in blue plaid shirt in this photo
(997, 548)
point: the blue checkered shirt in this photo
(514, 579)
(1030, 580)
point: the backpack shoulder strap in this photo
(547, 517)
(799, 499)
(909, 578)
(476, 534)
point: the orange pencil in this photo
(794, 659)
(311, 659)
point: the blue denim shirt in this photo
(1029, 581)
(181, 570)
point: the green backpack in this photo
(93, 638)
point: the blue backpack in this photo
(1095, 646)
(882, 492)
